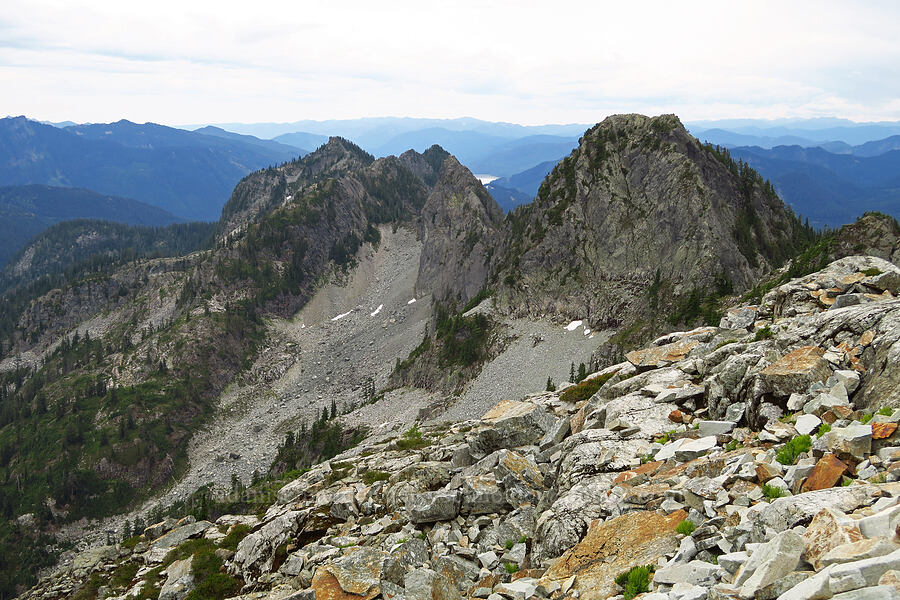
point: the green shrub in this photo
(763, 334)
(771, 492)
(823, 429)
(636, 581)
(686, 527)
(866, 418)
(791, 451)
(212, 583)
(510, 544)
(885, 411)
(732, 446)
(872, 272)
(412, 439)
(234, 537)
(585, 389)
(370, 477)
(511, 568)
(123, 575)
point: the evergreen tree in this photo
(582, 373)
(572, 372)
(550, 386)
(333, 409)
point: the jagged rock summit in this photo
(640, 200)
(757, 459)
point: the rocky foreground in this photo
(758, 459)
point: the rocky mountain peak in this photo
(639, 201)
(460, 225)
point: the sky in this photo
(520, 61)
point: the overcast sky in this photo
(194, 61)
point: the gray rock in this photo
(180, 534)
(854, 441)
(882, 524)
(511, 425)
(878, 592)
(708, 428)
(428, 507)
(807, 423)
(695, 572)
(179, 581)
(425, 584)
(481, 494)
(735, 412)
(695, 448)
(770, 562)
(862, 573)
(488, 559)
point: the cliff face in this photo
(638, 196)
(460, 227)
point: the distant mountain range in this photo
(188, 173)
(829, 189)
(27, 210)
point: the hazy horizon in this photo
(501, 61)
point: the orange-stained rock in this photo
(614, 546)
(828, 530)
(675, 416)
(881, 431)
(866, 338)
(826, 473)
(576, 424)
(661, 356)
(796, 371)
(533, 573)
(355, 576)
(645, 469)
(766, 471)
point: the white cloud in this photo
(529, 62)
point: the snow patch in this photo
(377, 310)
(587, 331)
(342, 315)
(411, 301)
(573, 325)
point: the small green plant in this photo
(510, 544)
(635, 581)
(686, 527)
(885, 411)
(771, 492)
(665, 437)
(724, 343)
(845, 481)
(872, 272)
(791, 451)
(763, 334)
(123, 575)
(823, 429)
(523, 539)
(370, 477)
(732, 446)
(585, 389)
(412, 439)
(879, 478)
(647, 458)
(234, 537)
(511, 568)
(866, 418)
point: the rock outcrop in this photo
(639, 201)
(460, 225)
(754, 462)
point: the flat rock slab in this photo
(826, 473)
(796, 371)
(180, 534)
(661, 356)
(614, 546)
